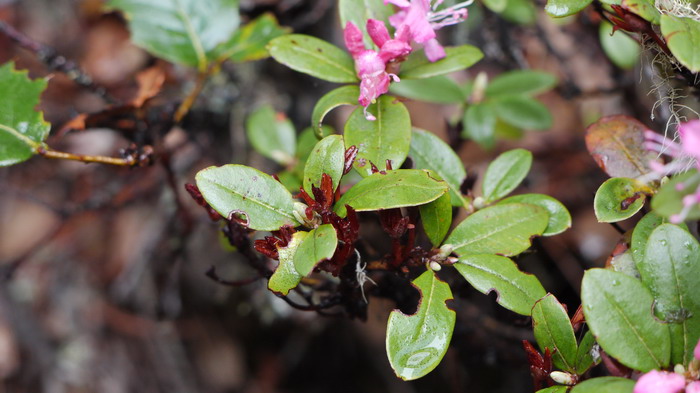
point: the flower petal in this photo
(378, 32)
(433, 50)
(353, 39)
(660, 382)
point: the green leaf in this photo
(344, 95)
(617, 146)
(643, 8)
(359, 11)
(248, 43)
(479, 124)
(496, 6)
(523, 112)
(272, 135)
(624, 263)
(236, 189)
(520, 11)
(505, 173)
(620, 48)
(559, 217)
(398, 188)
(318, 245)
(559, 8)
(584, 358)
(417, 66)
(286, 277)
(182, 31)
(618, 311)
(668, 201)
(499, 229)
(517, 291)
(553, 330)
(416, 343)
(521, 82)
(328, 156)
(683, 38)
(642, 231)
(554, 389)
(314, 57)
(387, 138)
(437, 218)
(618, 199)
(22, 128)
(438, 89)
(605, 385)
(670, 269)
(428, 151)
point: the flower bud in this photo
(563, 378)
(434, 266)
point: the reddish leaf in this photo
(617, 146)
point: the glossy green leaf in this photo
(437, 218)
(249, 42)
(479, 124)
(344, 95)
(286, 277)
(317, 246)
(496, 6)
(668, 201)
(22, 127)
(521, 82)
(182, 31)
(416, 343)
(505, 173)
(670, 269)
(417, 66)
(398, 188)
(272, 135)
(554, 389)
(617, 146)
(520, 11)
(523, 112)
(359, 11)
(605, 385)
(256, 197)
(553, 330)
(517, 291)
(624, 263)
(560, 8)
(642, 231)
(314, 57)
(638, 341)
(438, 89)
(559, 217)
(620, 48)
(328, 156)
(584, 354)
(428, 151)
(683, 38)
(386, 138)
(618, 199)
(644, 8)
(499, 229)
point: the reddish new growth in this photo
(540, 366)
(629, 21)
(270, 244)
(347, 228)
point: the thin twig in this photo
(44, 152)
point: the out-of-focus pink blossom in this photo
(421, 19)
(696, 352)
(370, 65)
(693, 387)
(685, 155)
(660, 382)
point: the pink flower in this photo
(693, 387)
(370, 65)
(696, 352)
(685, 154)
(660, 382)
(421, 20)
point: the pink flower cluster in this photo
(656, 381)
(685, 154)
(416, 21)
